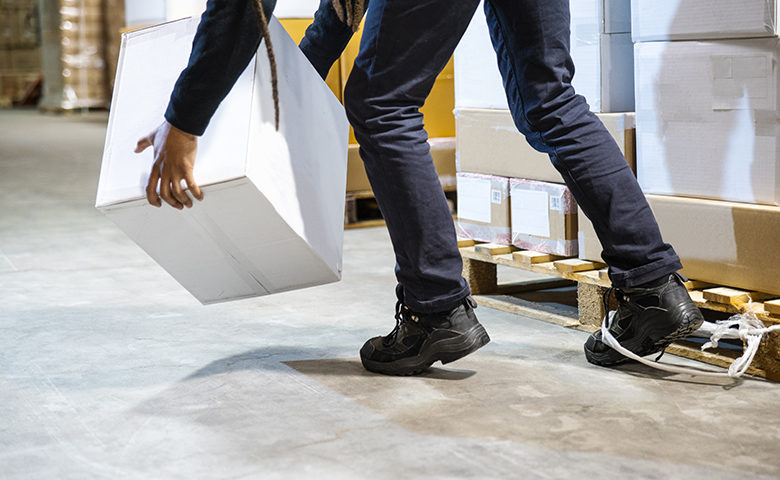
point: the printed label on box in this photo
(530, 212)
(474, 199)
(496, 196)
(556, 203)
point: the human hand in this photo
(174, 160)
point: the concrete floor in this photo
(109, 369)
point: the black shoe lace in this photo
(402, 315)
(622, 300)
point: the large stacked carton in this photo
(488, 142)
(20, 49)
(707, 129)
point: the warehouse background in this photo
(109, 368)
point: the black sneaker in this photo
(420, 339)
(647, 321)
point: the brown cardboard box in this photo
(483, 208)
(589, 246)
(732, 244)
(18, 25)
(442, 151)
(26, 60)
(489, 143)
(727, 243)
(544, 217)
(13, 86)
(113, 23)
(6, 60)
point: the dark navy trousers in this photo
(405, 45)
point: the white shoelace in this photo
(750, 330)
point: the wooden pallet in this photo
(479, 268)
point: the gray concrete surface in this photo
(109, 369)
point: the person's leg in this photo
(531, 40)
(405, 45)
(326, 38)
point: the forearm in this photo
(226, 40)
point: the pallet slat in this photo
(530, 257)
(577, 265)
(733, 296)
(494, 249)
(773, 307)
(465, 242)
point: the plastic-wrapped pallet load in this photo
(74, 74)
(654, 20)
(483, 208)
(544, 217)
(272, 216)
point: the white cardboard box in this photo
(653, 20)
(603, 59)
(272, 217)
(707, 119)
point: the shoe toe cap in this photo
(594, 343)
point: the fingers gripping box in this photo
(272, 216)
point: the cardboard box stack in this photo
(543, 216)
(707, 94)
(20, 49)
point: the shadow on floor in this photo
(348, 367)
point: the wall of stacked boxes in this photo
(703, 140)
(537, 211)
(20, 49)
(59, 54)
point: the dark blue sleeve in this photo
(226, 40)
(326, 38)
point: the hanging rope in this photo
(349, 11)
(262, 24)
(749, 329)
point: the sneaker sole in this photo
(446, 351)
(611, 358)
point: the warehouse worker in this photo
(405, 45)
